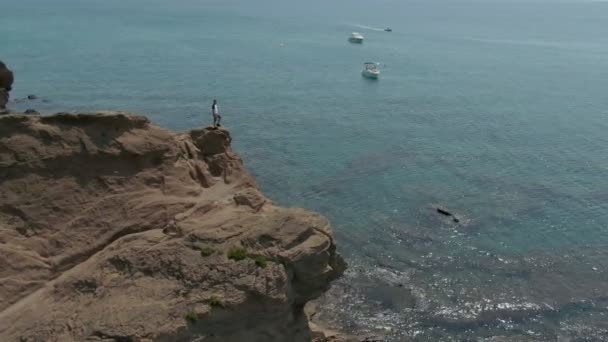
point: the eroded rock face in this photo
(6, 84)
(113, 229)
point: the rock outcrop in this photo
(6, 85)
(113, 229)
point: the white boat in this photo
(370, 70)
(356, 38)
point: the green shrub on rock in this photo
(237, 253)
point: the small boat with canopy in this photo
(370, 70)
(356, 38)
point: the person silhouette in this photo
(215, 111)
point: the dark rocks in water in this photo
(28, 98)
(31, 112)
(443, 211)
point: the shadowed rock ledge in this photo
(113, 229)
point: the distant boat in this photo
(388, 29)
(370, 70)
(356, 38)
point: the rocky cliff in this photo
(6, 84)
(113, 229)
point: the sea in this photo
(495, 111)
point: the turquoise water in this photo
(496, 110)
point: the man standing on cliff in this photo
(215, 111)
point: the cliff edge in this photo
(113, 229)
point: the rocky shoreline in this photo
(114, 229)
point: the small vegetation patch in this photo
(261, 261)
(206, 251)
(216, 302)
(237, 253)
(191, 317)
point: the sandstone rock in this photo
(211, 141)
(250, 197)
(103, 223)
